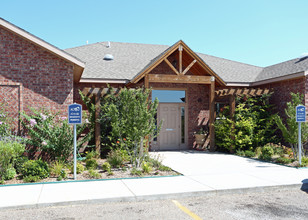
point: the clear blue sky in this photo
(258, 32)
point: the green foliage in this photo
(56, 168)
(63, 175)
(249, 153)
(5, 121)
(19, 161)
(107, 167)
(50, 134)
(91, 164)
(35, 168)
(131, 116)
(240, 153)
(146, 167)
(266, 153)
(284, 160)
(9, 151)
(88, 121)
(304, 161)
(79, 168)
(9, 174)
(252, 126)
(289, 129)
(92, 154)
(30, 179)
(94, 174)
(117, 158)
(136, 172)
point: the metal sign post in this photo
(75, 117)
(300, 117)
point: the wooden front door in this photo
(169, 137)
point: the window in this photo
(171, 96)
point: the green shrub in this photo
(35, 168)
(94, 174)
(252, 125)
(79, 168)
(57, 168)
(107, 167)
(49, 134)
(116, 158)
(304, 161)
(266, 153)
(146, 167)
(136, 172)
(249, 153)
(10, 173)
(91, 164)
(91, 154)
(164, 168)
(19, 162)
(9, 151)
(62, 175)
(240, 153)
(30, 179)
(284, 160)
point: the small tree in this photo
(132, 118)
(289, 130)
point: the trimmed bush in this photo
(283, 160)
(10, 174)
(249, 153)
(116, 158)
(35, 168)
(79, 168)
(266, 153)
(91, 164)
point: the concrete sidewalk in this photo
(203, 173)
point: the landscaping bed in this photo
(126, 171)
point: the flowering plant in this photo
(49, 134)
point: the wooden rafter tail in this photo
(171, 66)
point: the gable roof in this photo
(131, 59)
(79, 65)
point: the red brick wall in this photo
(282, 92)
(44, 80)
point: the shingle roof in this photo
(283, 69)
(130, 59)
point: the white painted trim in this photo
(41, 43)
(85, 80)
(238, 84)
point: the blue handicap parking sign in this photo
(300, 113)
(74, 114)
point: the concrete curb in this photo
(209, 193)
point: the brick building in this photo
(37, 74)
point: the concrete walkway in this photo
(203, 173)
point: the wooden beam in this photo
(179, 79)
(242, 91)
(232, 112)
(190, 65)
(171, 66)
(180, 59)
(146, 81)
(212, 115)
(97, 124)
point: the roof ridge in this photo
(117, 43)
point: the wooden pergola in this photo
(228, 95)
